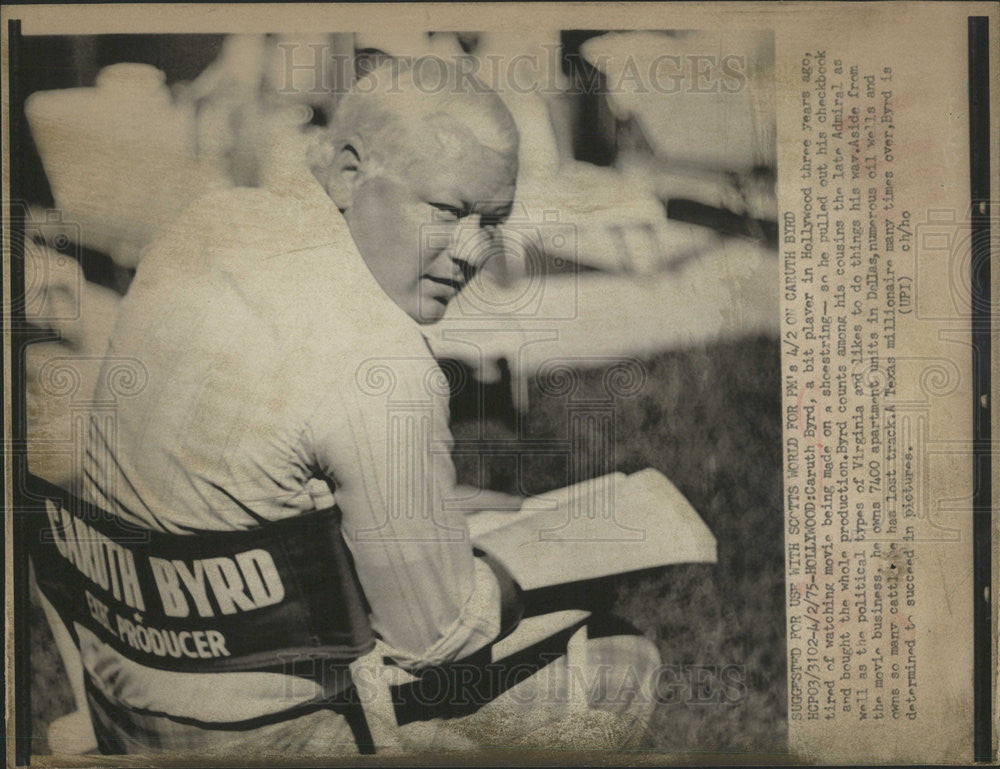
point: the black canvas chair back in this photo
(280, 598)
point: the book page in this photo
(644, 523)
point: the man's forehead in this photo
(461, 174)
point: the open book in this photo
(607, 525)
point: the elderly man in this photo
(289, 383)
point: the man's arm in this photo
(388, 455)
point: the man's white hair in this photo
(380, 109)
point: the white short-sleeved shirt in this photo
(276, 377)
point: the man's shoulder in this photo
(252, 235)
(270, 222)
(236, 201)
(293, 263)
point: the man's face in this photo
(424, 222)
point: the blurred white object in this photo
(60, 375)
(522, 66)
(724, 119)
(614, 222)
(59, 383)
(239, 68)
(729, 292)
(56, 294)
(300, 67)
(72, 734)
(408, 43)
(120, 157)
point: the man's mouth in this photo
(444, 288)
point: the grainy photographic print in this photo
(453, 387)
(497, 311)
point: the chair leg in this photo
(369, 676)
(578, 669)
(72, 734)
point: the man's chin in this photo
(429, 310)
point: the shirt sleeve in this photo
(382, 437)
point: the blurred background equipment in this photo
(645, 157)
(120, 157)
(628, 132)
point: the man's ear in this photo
(338, 166)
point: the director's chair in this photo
(342, 638)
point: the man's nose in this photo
(472, 245)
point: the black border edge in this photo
(20, 599)
(979, 167)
